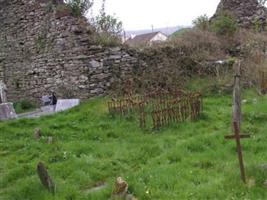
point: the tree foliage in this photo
(107, 24)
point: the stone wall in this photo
(248, 13)
(44, 48)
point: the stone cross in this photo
(236, 122)
(3, 89)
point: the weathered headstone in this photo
(36, 134)
(7, 111)
(65, 104)
(45, 178)
(3, 89)
(120, 191)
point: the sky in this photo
(142, 14)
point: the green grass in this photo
(189, 160)
(24, 106)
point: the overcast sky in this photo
(142, 14)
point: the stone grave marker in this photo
(3, 89)
(45, 178)
(7, 110)
(65, 104)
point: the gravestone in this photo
(65, 104)
(7, 110)
(3, 89)
(45, 178)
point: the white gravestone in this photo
(3, 89)
(65, 104)
(7, 111)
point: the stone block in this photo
(7, 111)
(65, 104)
(48, 109)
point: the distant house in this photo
(147, 39)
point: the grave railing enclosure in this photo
(159, 108)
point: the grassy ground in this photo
(190, 160)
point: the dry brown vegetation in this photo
(195, 54)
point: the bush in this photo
(24, 106)
(79, 7)
(224, 25)
(105, 39)
(202, 22)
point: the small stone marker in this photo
(36, 134)
(120, 190)
(49, 140)
(65, 104)
(7, 111)
(45, 178)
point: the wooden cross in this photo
(237, 137)
(236, 121)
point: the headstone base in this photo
(7, 111)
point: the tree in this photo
(107, 24)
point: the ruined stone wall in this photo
(248, 13)
(44, 48)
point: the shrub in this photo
(202, 22)
(79, 7)
(224, 25)
(108, 27)
(106, 40)
(23, 106)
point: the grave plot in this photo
(159, 108)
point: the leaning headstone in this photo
(45, 178)
(65, 104)
(7, 111)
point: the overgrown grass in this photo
(190, 160)
(24, 106)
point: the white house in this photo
(147, 39)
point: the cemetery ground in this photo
(189, 160)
